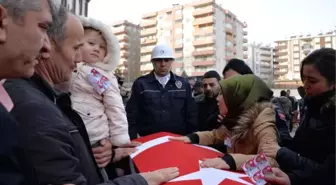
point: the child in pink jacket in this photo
(94, 89)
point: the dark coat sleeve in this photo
(133, 179)
(191, 111)
(47, 144)
(10, 171)
(321, 174)
(132, 110)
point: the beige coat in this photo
(255, 127)
(104, 115)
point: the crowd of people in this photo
(64, 121)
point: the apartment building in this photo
(260, 59)
(79, 7)
(290, 52)
(203, 35)
(128, 35)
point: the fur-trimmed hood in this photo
(259, 116)
(112, 58)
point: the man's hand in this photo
(103, 153)
(215, 163)
(278, 178)
(121, 153)
(184, 139)
(160, 176)
(270, 149)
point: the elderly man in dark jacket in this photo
(54, 141)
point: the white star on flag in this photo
(212, 176)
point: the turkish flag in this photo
(186, 157)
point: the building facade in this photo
(128, 35)
(290, 52)
(79, 7)
(203, 35)
(260, 59)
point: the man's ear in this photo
(3, 24)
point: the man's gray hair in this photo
(57, 30)
(18, 8)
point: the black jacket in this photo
(153, 109)
(10, 170)
(208, 111)
(312, 149)
(54, 141)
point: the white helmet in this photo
(162, 51)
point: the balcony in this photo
(199, 73)
(178, 55)
(266, 58)
(148, 23)
(307, 48)
(204, 63)
(123, 38)
(280, 72)
(282, 60)
(209, 30)
(204, 52)
(244, 33)
(280, 47)
(177, 46)
(203, 42)
(204, 21)
(204, 11)
(148, 41)
(125, 63)
(124, 46)
(147, 32)
(177, 64)
(124, 54)
(281, 53)
(230, 48)
(119, 30)
(149, 15)
(146, 50)
(203, 3)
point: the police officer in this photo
(161, 101)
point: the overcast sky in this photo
(267, 20)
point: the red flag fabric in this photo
(186, 157)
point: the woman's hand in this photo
(184, 139)
(218, 163)
(270, 149)
(277, 178)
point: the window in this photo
(169, 13)
(178, 21)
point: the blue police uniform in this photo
(153, 108)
